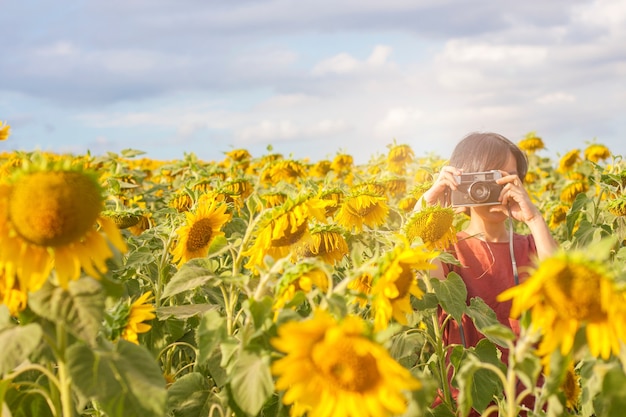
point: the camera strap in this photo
(511, 249)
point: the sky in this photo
(309, 79)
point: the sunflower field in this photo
(272, 286)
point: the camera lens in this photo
(479, 192)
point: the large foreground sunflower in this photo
(335, 369)
(50, 219)
(567, 293)
(202, 227)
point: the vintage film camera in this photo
(477, 189)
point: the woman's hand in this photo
(514, 194)
(444, 182)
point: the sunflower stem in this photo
(65, 380)
(439, 348)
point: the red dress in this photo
(486, 270)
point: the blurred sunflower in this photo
(434, 225)
(617, 206)
(361, 209)
(596, 152)
(303, 277)
(395, 186)
(201, 228)
(569, 160)
(283, 228)
(571, 190)
(325, 242)
(320, 169)
(139, 312)
(342, 163)
(362, 284)
(145, 222)
(558, 216)
(398, 158)
(182, 202)
(5, 130)
(569, 292)
(287, 170)
(335, 369)
(370, 187)
(396, 280)
(11, 295)
(273, 199)
(571, 387)
(122, 219)
(531, 143)
(50, 219)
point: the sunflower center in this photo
(346, 368)
(199, 234)
(574, 291)
(54, 208)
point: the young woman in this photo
(484, 247)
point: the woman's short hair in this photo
(479, 151)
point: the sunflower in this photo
(398, 157)
(571, 387)
(181, 202)
(395, 186)
(274, 199)
(5, 130)
(239, 155)
(50, 219)
(122, 219)
(283, 228)
(320, 169)
(140, 311)
(570, 191)
(531, 143)
(433, 225)
(569, 292)
(360, 209)
(287, 170)
(567, 161)
(302, 277)
(333, 368)
(597, 152)
(342, 163)
(11, 295)
(617, 206)
(326, 242)
(201, 228)
(362, 284)
(558, 216)
(145, 222)
(396, 280)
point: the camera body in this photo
(477, 189)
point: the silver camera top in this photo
(477, 189)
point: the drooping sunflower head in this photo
(122, 219)
(398, 157)
(361, 209)
(342, 163)
(434, 225)
(569, 160)
(334, 367)
(617, 206)
(571, 190)
(596, 152)
(362, 285)
(320, 169)
(239, 155)
(334, 196)
(287, 170)
(302, 277)
(395, 186)
(531, 143)
(181, 201)
(558, 216)
(370, 187)
(569, 292)
(281, 229)
(326, 242)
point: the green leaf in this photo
(17, 342)
(487, 323)
(125, 380)
(261, 311)
(477, 385)
(189, 277)
(452, 295)
(191, 396)
(251, 382)
(183, 311)
(80, 308)
(210, 333)
(129, 153)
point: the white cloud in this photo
(399, 119)
(345, 63)
(558, 97)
